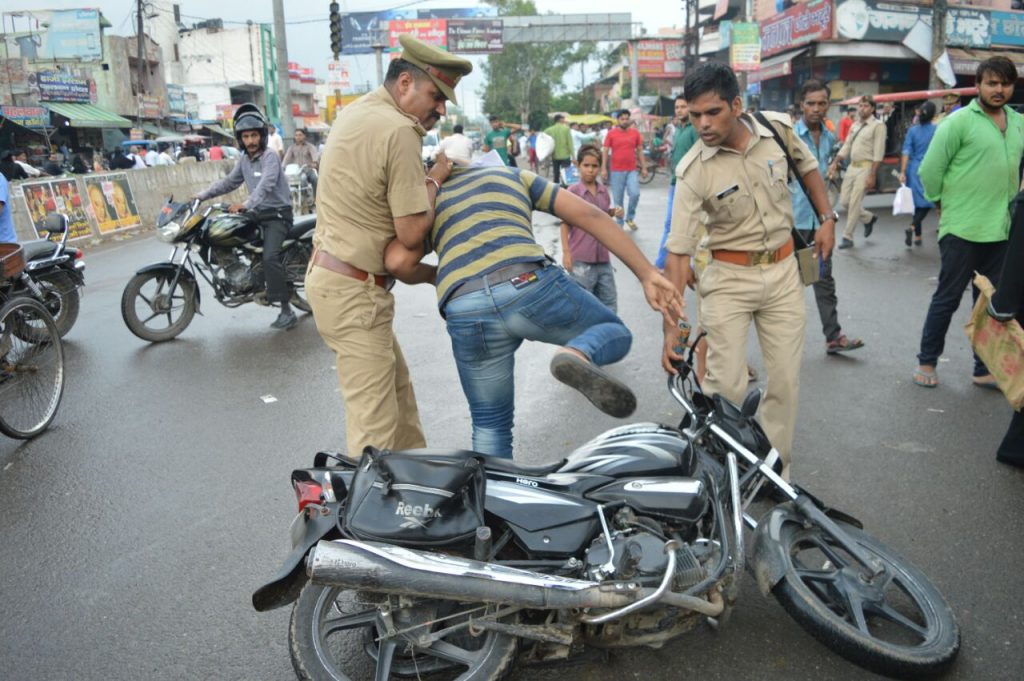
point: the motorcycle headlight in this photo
(169, 232)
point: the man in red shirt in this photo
(626, 149)
(847, 123)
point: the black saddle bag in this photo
(415, 499)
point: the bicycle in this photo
(31, 356)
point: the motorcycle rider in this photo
(269, 198)
(305, 156)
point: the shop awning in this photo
(157, 131)
(965, 62)
(88, 115)
(217, 130)
(775, 67)
(865, 50)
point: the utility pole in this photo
(939, 10)
(634, 71)
(140, 48)
(285, 92)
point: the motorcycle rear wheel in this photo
(146, 301)
(333, 636)
(900, 626)
(62, 298)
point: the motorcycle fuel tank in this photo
(637, 449)
(231, 229)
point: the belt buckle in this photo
(762, 257)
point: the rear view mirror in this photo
(55, 223)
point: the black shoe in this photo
(908, 235)
(285, 321)
(846, 244)
(604, 392)
(870, 226)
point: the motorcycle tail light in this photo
(307, 492)
(79, 255)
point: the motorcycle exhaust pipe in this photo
(405, 572)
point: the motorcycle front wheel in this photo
(152, 311)
(61, 298)
(898, 624)
(341, 635)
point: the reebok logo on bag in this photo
(414, 513)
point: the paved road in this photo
(133, 533)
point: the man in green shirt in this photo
(684, 138)
(497, 138)
(562, 156)
(971, 171)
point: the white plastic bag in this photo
(903, 203)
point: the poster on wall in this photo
(112, 202)
(61, 196)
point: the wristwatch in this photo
(831, 215)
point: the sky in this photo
(309, 41)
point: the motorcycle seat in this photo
(41, 248)
(492, 463)
(301, 225)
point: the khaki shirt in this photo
(371, 172)
(745, 195)
(867, 139)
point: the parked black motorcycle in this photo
(634, 539)
(53, 274)
(226, 249)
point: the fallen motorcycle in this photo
(634, 539)
(225, 249)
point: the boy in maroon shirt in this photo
(627, 152)
(586, 259)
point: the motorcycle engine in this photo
(239, 276)
(639, 556)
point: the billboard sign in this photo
(62, 196)
(890, 22)
(362, 30)
(112, 201)
(478, 36)
(431, 31)
(74, 34)
(745, 48)
(27, 116)
(660, 58)
(798, 25)
(1007, 28)
(176, 99)
(57, 86)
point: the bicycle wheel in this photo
(31, 368)
(651, 171)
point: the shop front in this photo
(81, 126)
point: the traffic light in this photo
(335, 29)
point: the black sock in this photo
(285, 307)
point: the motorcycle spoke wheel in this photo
(339, 635)
(31, 369)
(896, 624)
(152, 311)
(62, 299)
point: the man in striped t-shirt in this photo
(496, 287)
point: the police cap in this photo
(443, 68)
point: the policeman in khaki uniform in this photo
(737, 176)
(373, 189)
(865, 147)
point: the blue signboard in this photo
(361, 30)
(74, 34)
(1007, 28)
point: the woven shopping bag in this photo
(1000, 345)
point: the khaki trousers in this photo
(354, 318)
(851, 199)
(772, 297)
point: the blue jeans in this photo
(662, 252)
(960, 259)
(627, 181)
(489, 325)
(599, 279)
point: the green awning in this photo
(217, 130)
(88, 115)
(157, 131)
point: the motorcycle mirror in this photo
(750, 404)
(56, 223)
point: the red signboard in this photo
(431, 31)
(660, 58)
(798, 25)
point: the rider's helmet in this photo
(250, 117)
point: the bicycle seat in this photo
(492, 463)
(38, 249)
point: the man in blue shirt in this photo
(7, 233)
(814, 102)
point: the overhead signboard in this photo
(57, 86)
(890, 22)
(45, 35)
(745, 48)
(430, 31)
(1007, 28)
(361, 31)
(338, 75)
(469, 36)
(176, 99)
(798, 25)
(27, 116)
(660, 58)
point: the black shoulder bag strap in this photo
(797, 237)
